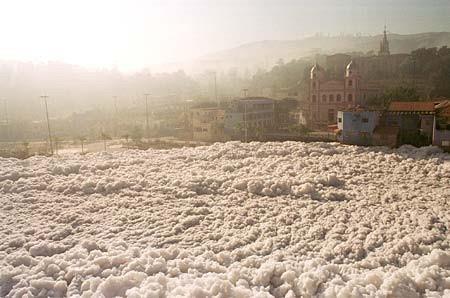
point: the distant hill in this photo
(264, 54)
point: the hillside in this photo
(265, 53)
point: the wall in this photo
(354, 130)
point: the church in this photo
(330, 93)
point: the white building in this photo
(254, 114)
(208, 124)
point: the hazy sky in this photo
(131, 34)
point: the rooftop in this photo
(412, 106)
(256, 98)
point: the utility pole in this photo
(146, 114)
(44, 97)
(115, 104)
(245, 91)
(115, 116)
(215, 87)
(245, 121)
(6, 119)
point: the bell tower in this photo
(384, 45)
(317, 76)
(352, 81)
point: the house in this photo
(356, 126)
(250, 116)
(208, 124)
(414, 120)
(441, 127)
(415, 123)
(385, 136)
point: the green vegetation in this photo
(283, 75)
(433, 65)
(395, 94)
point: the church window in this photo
(314, 84)
(338, 97)
(350, 97)
(331, 97)
(350, 83)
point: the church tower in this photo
(316, 79)
(317, 76)
(352, 82)
(384, 45)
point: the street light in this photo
(44, 97)
(146, 114)
(116, 120)
(215, 87)
(245, 114)
(5, 116)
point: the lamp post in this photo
(245, 122)
(146, 114)
(44, 97)
(215, 87)
(6, 119)
(245, 115)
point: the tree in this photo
(395, 94)
(432, 65)
(82, 140)
(105, 137)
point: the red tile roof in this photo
(411, 106)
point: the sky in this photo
(133, 34)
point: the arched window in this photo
(350, 97)
(324, 98)
(350, 83)
(331, 98)
(338, 97)
(313, 98)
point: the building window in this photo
(350, 97)
(331, 97)
(365, 120)
(340, 120)
(338, 97)
(350, 83)
(313, 98)
(324, 98)
(314, 84)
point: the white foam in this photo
(232, 220)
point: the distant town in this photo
(372, 99)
